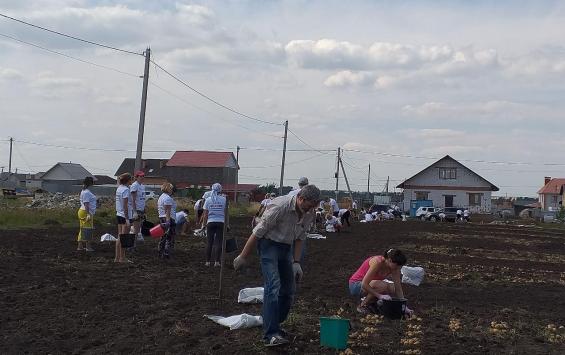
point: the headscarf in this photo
(216, 189)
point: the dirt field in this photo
(488, 289)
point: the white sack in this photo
(413, 275)
(251, 295)
(315, 236)
(240, 321)
(107, 238)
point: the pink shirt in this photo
(364, 268)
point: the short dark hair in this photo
(88, 181)
(185, 210)
(124, 178)
(396, 256)
(310, 193)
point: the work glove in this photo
(239, 262)
(135, 216)
(88, 218)
(297, 271)
(385, 298)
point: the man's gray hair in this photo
(310, 193)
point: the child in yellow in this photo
(85, 215)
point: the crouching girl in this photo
(368, 280)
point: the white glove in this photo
(135, 216)
(297, 271)
(239, 262)
(385, 298)
(88, 217)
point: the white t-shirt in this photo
(294, 192)
(123, 192)
(207, 194)
(198, 205)
(216, 210)
(466, 213)
(87, 196)
(266, 202)
(180, 216)
(354, 205)
(459, 212)
(368, 217)
(322, 204)
(140, 196)
(166, 200)
(334, 205)
(342, 212)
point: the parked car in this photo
(450, 214)
(421, 212)
(150, 195)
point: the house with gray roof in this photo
(64, 177)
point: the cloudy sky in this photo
(397, 84)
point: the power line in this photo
(211, 99)
(69, 36)
(211, 113)
(308, 145)
(69, 56)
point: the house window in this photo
(447, 173)
(475, 199)
(554, 198)
(422, 195)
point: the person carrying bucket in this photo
(214, 218)
(166, 207)
(284, 223)
(85, 215)
(367, 281)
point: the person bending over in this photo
(332, 224)
(368, 279)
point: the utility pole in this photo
(142, 112)
(386, 186)
(346, 181)
(369, 180)
(236, 174)
(10, 161)
(283, 157)
(337, 173)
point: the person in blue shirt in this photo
(214, 218)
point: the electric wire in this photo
(70, 36)
(211, 99)
(70, 56)
(306, 144)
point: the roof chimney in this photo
(546, 180)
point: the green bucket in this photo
(334, 332)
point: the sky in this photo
(394, 84)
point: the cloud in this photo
(349, 78)
(119, 100)
(10, 74)
(49, 86)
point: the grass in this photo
(14, 214)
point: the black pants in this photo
(215, 233)
(167, 242)
(345, 218)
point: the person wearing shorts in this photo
(124, 214)
(86, 215)
(137, 191)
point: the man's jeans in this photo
(279, 286)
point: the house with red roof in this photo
(192, 169)
(551, 194)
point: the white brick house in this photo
(449, 183)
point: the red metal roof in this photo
(200, 159)
(552, 187)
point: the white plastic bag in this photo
(251, 295)
(107, 238)
(240, 321)
(315, 236)
(413, 275)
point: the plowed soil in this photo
(54, 299)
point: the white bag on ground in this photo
(240, 321)
(107, 238)
(251, 295)
(315, 236)
(413, 275)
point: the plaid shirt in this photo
(281, 223)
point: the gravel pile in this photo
(59, 200)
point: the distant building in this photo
(187, 169)
(448, 183)
(551, 195)
(65, 178)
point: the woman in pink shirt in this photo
(368, 279)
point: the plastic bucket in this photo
(157, 232)
(127, 240)
(146, 228)
(394, 309)
(334, 332)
